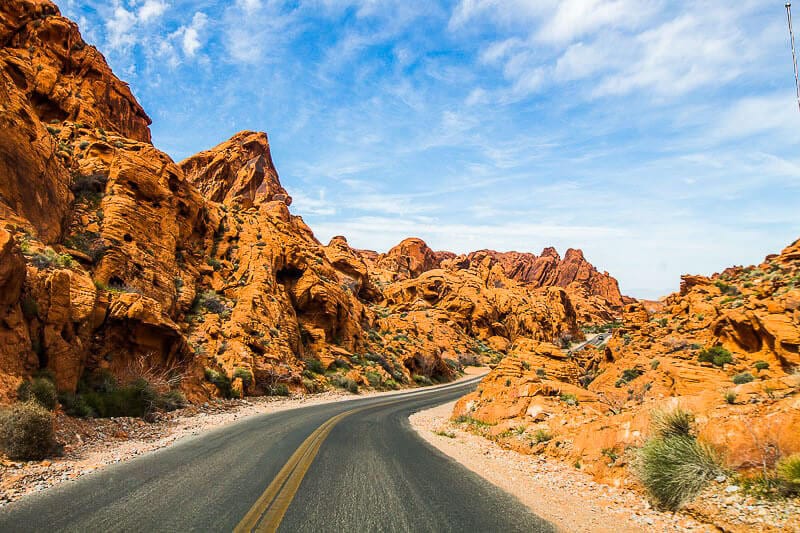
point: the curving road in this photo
(347, 466)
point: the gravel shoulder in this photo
(554, 491)
(90, 444)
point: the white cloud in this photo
(119, 28)
(193, 36)
(151, 10)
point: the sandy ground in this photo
(552, 490)
(91, 444)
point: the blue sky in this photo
(661, 137)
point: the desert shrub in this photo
(90, 243)
(279, 389)
(171, 401)
(346, 383)
(422, 380)
(40, 390)
(391, 384)
(211, 302)
(569, 399)
(726, 289)
(730, 397)
(74, 405)
(374, 379)
(312, 387)
(788, 471)
(628, 375)
(717, 355)
(219, 380)
(90, 186)
(245, 375)
(542, 435)
(674, 423)
(761, 365)
(541, 373)
(48, 258)
(675, 469)
(137, 399)
(654, 364)
(26, 431)
(742, 378)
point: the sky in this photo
(661, 137)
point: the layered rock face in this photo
(597, 404)
(112, 254)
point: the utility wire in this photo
(794, 56)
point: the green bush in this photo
(761, 365)
(279, 389)
(542, 435)
(137, 399)
(171, 401)
(569, 399)
(730, 397)
(675, 423)
(374, 379)
(315, 366)
(628, 375)
(675, 469)
(75, 405)
(41, 390)
(717, 355)
(742, 378)
(788, 471)
(219, 380)
(211, 302)
(50, 259)
(245, 375)
(346, 383)
(422, 380)
(26, 431)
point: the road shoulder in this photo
(562, 495)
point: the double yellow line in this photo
(268, 511)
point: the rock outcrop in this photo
(597, 403)
(112, 254)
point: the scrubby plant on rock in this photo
(26, 431)
(788, 471)
(673, 465)
(40, 390)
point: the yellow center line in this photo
(269, 509)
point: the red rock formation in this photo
(239, 169)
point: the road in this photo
(597, 340)
(346, 466)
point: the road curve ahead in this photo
(347, 466)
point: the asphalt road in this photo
(347, 466)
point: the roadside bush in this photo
(675, 423)
(788, 471)
(672, 465)
(315, 366)
(423, 381)
(219, 380)
(744, 377)
(346, 383)
(170, 401)
(75, 405)
(374, 379)
(717, 356)
(674, 470)
(280, 389)
(245, 375)
(40, 390)
(26, 431)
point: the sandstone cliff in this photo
(112, 254)
(724, 347)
